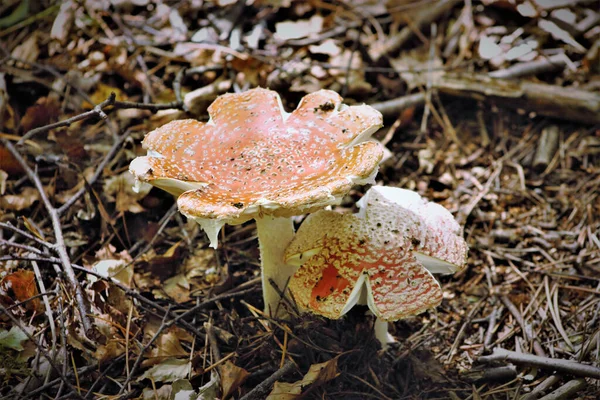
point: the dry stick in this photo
(391, 108)
(23, 233)
(212, 341)
(493, 317)
(426, 17)
(143, 350)
(43, 352)
(60, 247)
(463, 329)
(555, 364)
(260, 391)
(504, 373)
(546, 383)
(525, 328)
(549, 100)
(67, 122)
(566, 391)
(547, 146)
(555, 62)
(97, 173)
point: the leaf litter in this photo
(499, 123)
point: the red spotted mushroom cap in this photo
(341, 255)
(252, 158)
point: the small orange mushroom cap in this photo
(252, 158)
(376, 250)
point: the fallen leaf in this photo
(18, 202)
(43, 112)
(3, 178)
(110, 351)
(169, 370)
(232, 377)
(317, 375)
(8, 163)
(167, 346)
(298, 29)
(20, 286)
(560, 34)
(63, 21)
(13, 339)
(102, 93)
(119, 188)
(28, 50)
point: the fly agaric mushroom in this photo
(383, 257)
(252, 160)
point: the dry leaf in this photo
(102, 93)
(232, 377)
(560, 34)
(317, 375)
(298, 29)
(43, 112)
(8, 163)
(20, 286)
(3, 178)
(27, 51)
(63, 21)
(169, 370)
(167, 346)
(119, 188)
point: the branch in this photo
(553, 364)
(60, 247)
(261, 390)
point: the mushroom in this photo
(252, 160)
(383, 256)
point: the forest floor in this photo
(491, 109)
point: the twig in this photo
(547, 146)
(566, 391)
(143, 351)
(553, 364)
(525, 328)
(60, 247)
(261, 390)
(535, 67)
(43, 352)
(425, 18)
(546, 383)
(212, 341)
(391, 108)
(493, 317)
(96, 111)
(504, 373)
(26, 234)
(463, 329)
(97, 173)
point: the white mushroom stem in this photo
(382, 334)
(274, 235)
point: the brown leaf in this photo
(18, 202)
(317, 375)
(43, 112)
(20, 286)
(8, 163)
(71, 145)
(232, 377)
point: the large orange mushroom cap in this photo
(373, 255)
(253, 159)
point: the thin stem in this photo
(382, 334)
(274, 235)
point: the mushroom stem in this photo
(382, 334)
(274, 235)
